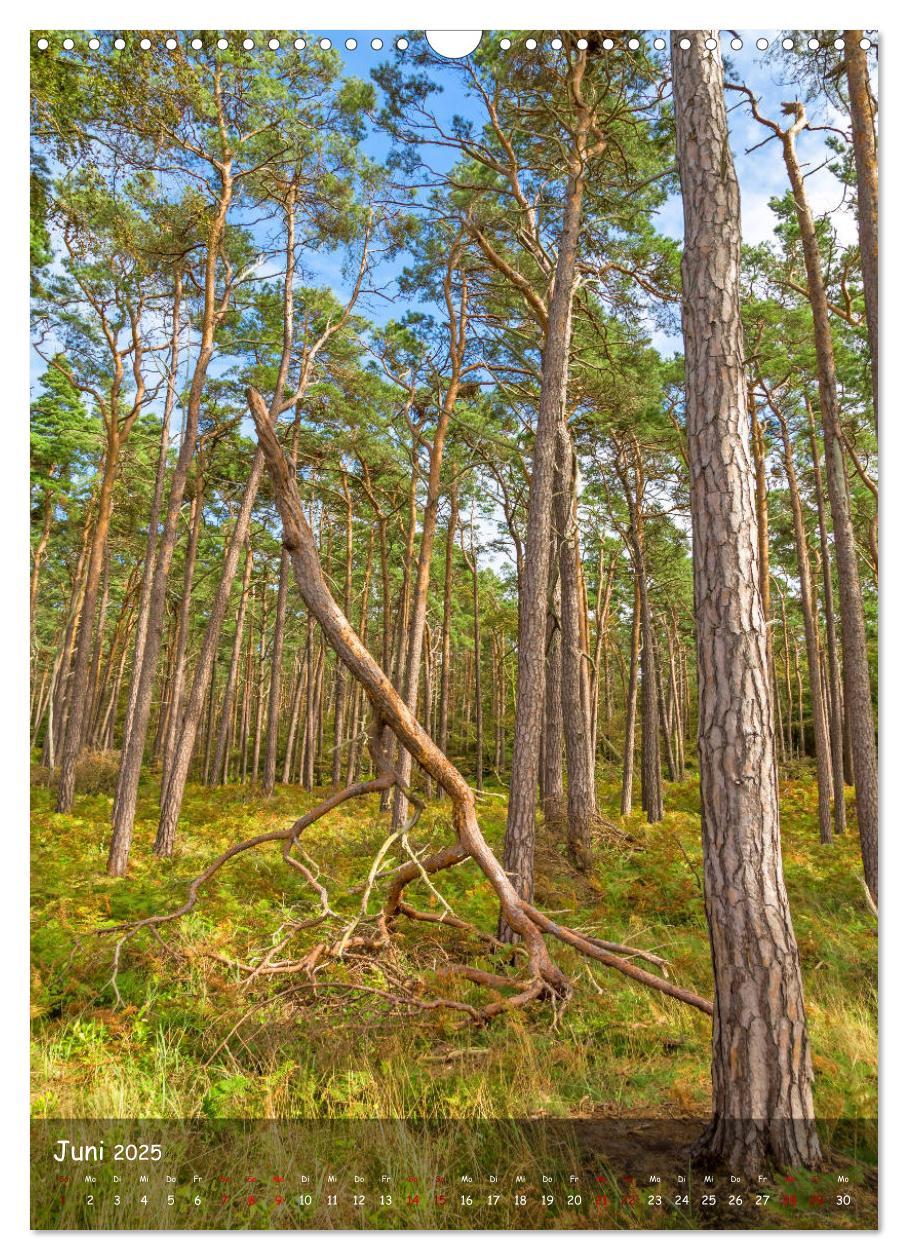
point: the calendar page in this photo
(454, 570)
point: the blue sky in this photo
(761, 173)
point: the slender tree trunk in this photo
(444, 686)
(832, 654)
(650, 768)
(340, 681)
(77, 690)
(808, 605)
(178, 681)
(457, 321)
(47, 516)
(260, 697)
(664, 719)
(861, 107)
(581, 797)
(134, 745)
(218, 768)
(173, 797)
(553, 808)
(269, 773)
(94, 673)
(154, 518)
(356, 747)
(477, 667)
(630, 709)
(854, 636)
(789, 693)
(520, 834)
(600, 659)
(762, 1098)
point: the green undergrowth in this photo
(190, 1039)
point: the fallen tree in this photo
(541, 977)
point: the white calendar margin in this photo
(768, 16)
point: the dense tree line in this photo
(529, 546)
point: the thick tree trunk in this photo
(762, 1098)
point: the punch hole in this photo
(454, 44)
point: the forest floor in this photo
(190, 1039)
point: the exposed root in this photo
(542, 977)
(369, 935)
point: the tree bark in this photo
(762, 1097)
